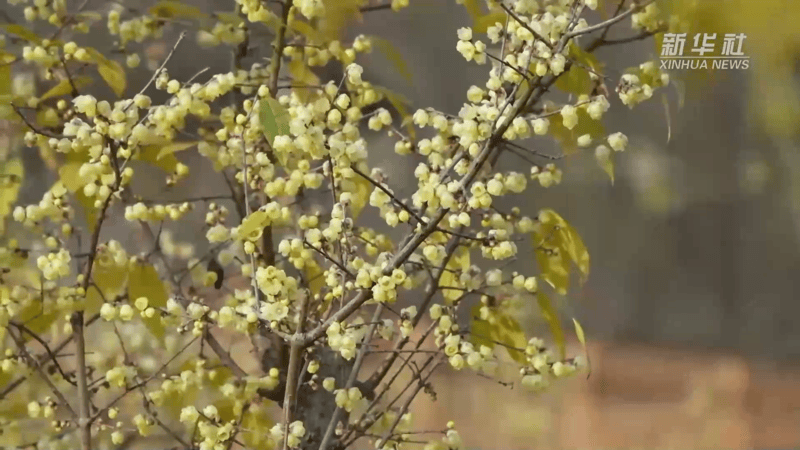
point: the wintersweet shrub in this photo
(105, 344)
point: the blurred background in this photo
(692, 303)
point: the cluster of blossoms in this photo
(343, 338)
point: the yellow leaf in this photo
(110, 279)
(555, 239)
(303, 76)
(461, 259)
(473, 9)
(399, 102)
(338, 14)
(169, 149)
(11, 176)
(568, 238)
(665, 102)
(255, 423)
(93, 301)
(361, 189)
(144, 281)
(252, 225)
(225, 410)
(551, 316)
(509, 332)
(305, 29)
(505, 331)
(450, 280)
(6, 57)
(482, 24)
(229, 18)
(64, 87)
(68, 175)
(169, 9)
(582, 340)
(153, 155)
(89, 210)
(37, 316)
(111, 71)
(395, 58)
(6, 97)
(554, 268)
(577, 79)
(569, 138)
(314, 276)
(458, 263)
(23, 32)
(606, 162)
(274, 119)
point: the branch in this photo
(634, 8)
(35, 364)
(84, 422)
(33, 127)
(526, 26)
(292, 372)
(351, 380)
(161, 67)
(43, 359)
(277, 46)
(431, 291)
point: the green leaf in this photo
(395, 58)
(23, 32)
(111, 71)
(169, 9)
(582, 340)
(11, 176)
(274, 119)
(144, 281)
(64, 87)
(551, 316)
